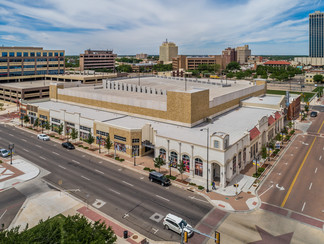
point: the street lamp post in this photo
(134, 154)
(11, 146)
(207, 129)
(99, 144)
(170, 164)
(256, 166)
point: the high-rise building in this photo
(97, 59)
(168, 50)
(316, 34)
(242, 54)
(30, 61)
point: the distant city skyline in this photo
(276, 27)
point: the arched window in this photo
(174, 159)
(162, 153)
(186, 162)
(234, 165)
(198, 167)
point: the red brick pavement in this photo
(274, 209)
(307, 220)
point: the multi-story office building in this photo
(228, 55)
(97, 59)
(316, 34)
(168, 50)
(141, 56)
(242, 54)
(30, 61)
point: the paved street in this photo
(296, 183)
(121, 193)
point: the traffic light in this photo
(217, 237)
(185, 237)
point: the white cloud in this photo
(128, 26)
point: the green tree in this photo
(124, 68)
(233, 66)
(60, 129)
(264, 153)
(158, 162)
(290, 124)
(306, 108)
(74, 134)
(318, 78)
(230, 75)
(26, 119)
(108, 143)
(36, 123)
(47, 125)
(60, 229)
(90, 139)
(181, 168)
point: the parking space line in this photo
(75, 162)
(3, 214)
(39, 146)
(10, 134)
(25, 150)
(42, 157)
(320, 158)
(310, 186)
(61, 166)
(23, 140)
(315, 170)
(56, 153)
(85, 177)
(163, 198)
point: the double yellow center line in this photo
(300, 167)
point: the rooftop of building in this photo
(26, 84)
(280, 62)
(248, 118)
(268, 99)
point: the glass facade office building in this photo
(30, 61)
(316, 34)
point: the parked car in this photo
(172, 222)
(159, 178)
(4, 152)
(68, 145)
(313, 114)
(43, 137)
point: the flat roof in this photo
(228, 123)
(268, 99)
(27, 84)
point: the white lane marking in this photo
(83, 155)
(25, 150)
(192, 197)
(3, 214)
(315, 170)
(114, 191)
(61, 166)
(85, 177)
(128, 183)
(119, 169)
(320, 158)
(310, 186)
(75, 162)
(23, 140)
(303, 206)
(155, 230)
(10, 134)
(266, 190)
(142, 178)
(42, 157)
(100, 162)
(100, 172)
(163, 198)
(39, 146)
(56, 153)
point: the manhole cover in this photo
(156, 217)
(134, 237)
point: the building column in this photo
(192, 167)
(168, 153)
(222, 179)
(78, 128)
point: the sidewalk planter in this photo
(201, 188)
(171, 177)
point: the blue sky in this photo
(130, 27)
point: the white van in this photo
(172, 222)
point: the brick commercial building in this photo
(97, 59)
(168, 50)
(20, 62)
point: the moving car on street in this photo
(313, 114)
(4, 152)
(159, 178)
(43, 137)
(172, 222)
(68, 145)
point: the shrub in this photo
(171, 177)
(80, 146)
(256, 175)
(147, 169)
(51, 136)
(292, 132)
(287, 138)
(192, 184)
(121, 159)
(1, 162)
(85, 147)
(152, 170)
(117, 158)
(201, 187)
(260, 170)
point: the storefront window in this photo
(186, 162)
(120, 147)
(162, 153)
(84, 135)
(234, 165)
(135, 150)
(174, 159)
(198, 167)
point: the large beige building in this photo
(171, 118)
(22, 62)
(168, 50)
(242, 54)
